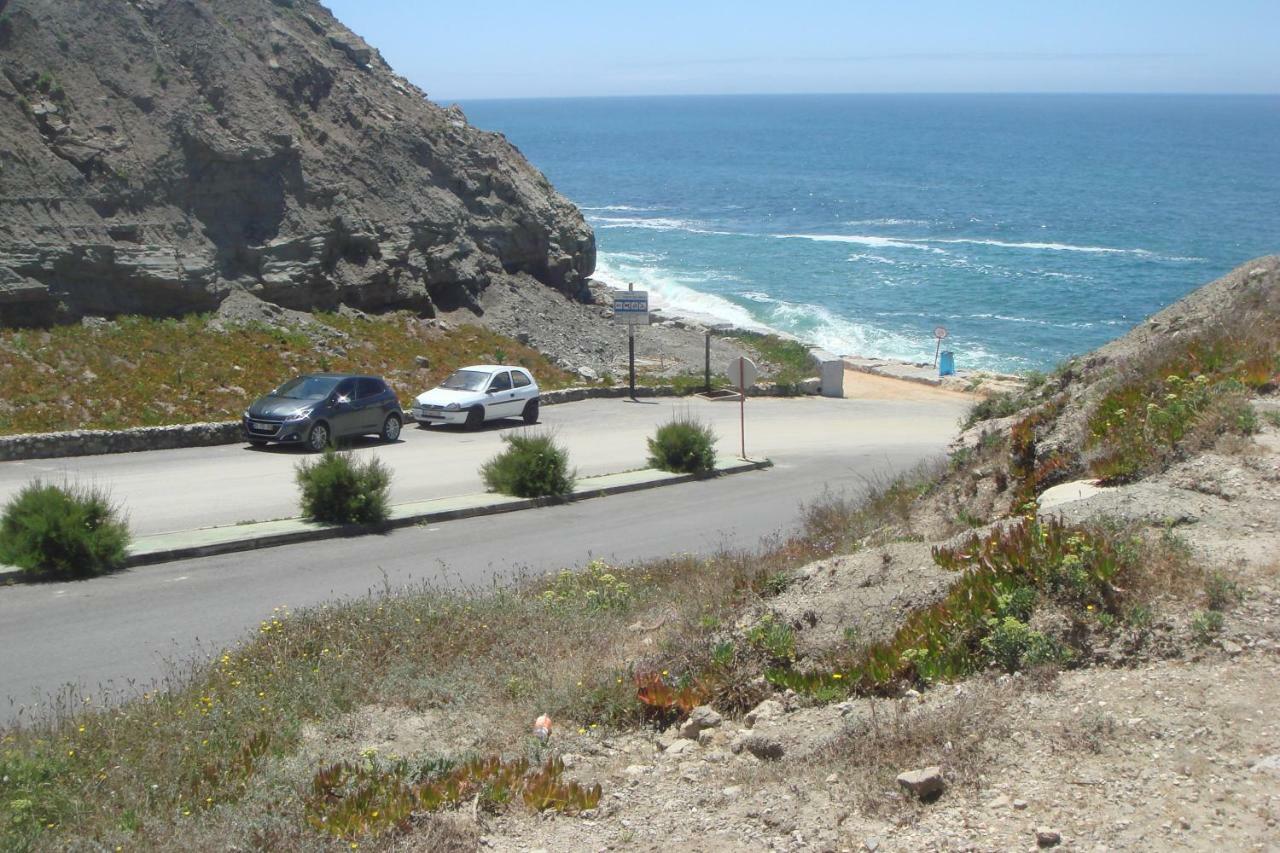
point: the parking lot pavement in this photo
(174, 490)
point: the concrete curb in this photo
(167, 547)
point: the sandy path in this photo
(859, 385)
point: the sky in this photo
(470, 49)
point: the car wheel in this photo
(391, 428)
(530, 412)
(475, 417)
(318, 438)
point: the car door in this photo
(344, 417)
(525, 389)
(369, 404)
(501, 398)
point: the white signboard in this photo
(940, 332)
(742, 372)
(631, 307)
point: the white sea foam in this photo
(669, 293)
(862, 240)
(875, 259)
(619, 208)
(660, 223)
(886, 222)
(1046, 247)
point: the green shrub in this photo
(685, 446)
(1206, 625)
(532, 466)
(340, 491)
(1013, 646)
(1221, 592)
(62, 530)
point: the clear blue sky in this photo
(459, 49)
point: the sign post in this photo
(742, 371)
(631, 308)
(940, 332)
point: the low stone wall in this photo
(93, 442)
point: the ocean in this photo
(1031, 227)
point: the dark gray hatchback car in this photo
(320, 408)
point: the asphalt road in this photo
(116, 634)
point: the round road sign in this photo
(940, 332)
(742, 372)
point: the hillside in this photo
(155, 154)
(1051, 661)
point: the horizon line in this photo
(852, 94)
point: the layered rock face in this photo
(157, 154)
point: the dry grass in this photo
(225, 745)
(140, 371)
(890, 736)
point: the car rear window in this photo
(501, 381)
(520, 379)
(368, 387)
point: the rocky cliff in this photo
(157, 154)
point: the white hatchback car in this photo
(482, 392)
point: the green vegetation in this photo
(339, 491)
(684, 445)
(139, 371)
(786, 361)
(533, 465)
(1003, 578)
(361, 800)
(47, 84)
(1206, 625)
(1187, 393)
(62, 531)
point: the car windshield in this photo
(307, 388)
(466, 380)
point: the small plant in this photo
(532, 466)
(352, 800)
(62, 530)
(1221, 593)
(593, 589)
(1013, 646)
(339, 491)
(684, 446)
(666, 699)
(774, 638)
(1206, 625)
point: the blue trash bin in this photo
(947, 365)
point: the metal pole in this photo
(937, 350)
(631, 352)
(707, 389)
(742, 405)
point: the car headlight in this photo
(246, 414)
(298, 415)
(453, 407)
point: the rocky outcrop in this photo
(156, 155)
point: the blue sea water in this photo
(1032, 227)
